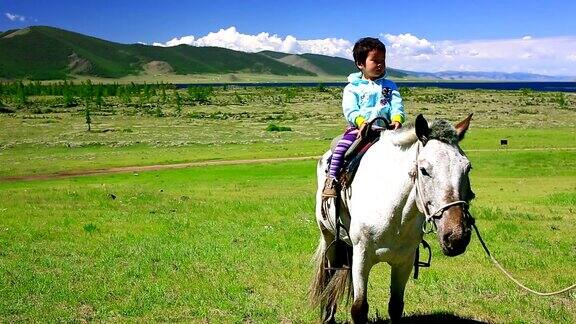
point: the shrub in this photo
(87, 116)
(240, 100)
(158, 112)
(68, 99)
(321, 87)
(200, 95)
(5, 110)
(405, 92)
(276, 128)
(290, 93)
(560, 99)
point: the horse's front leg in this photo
(399, 278)
(361, 266)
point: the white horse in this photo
(408, 177)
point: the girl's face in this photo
(375, 65)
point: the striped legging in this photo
(338, 155)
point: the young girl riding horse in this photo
(368, 95)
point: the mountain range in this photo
(48, 53)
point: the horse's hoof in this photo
(359, 312)
(395, 311)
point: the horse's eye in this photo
(424, 172)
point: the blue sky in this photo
(507, 36)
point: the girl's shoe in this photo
(330, 188)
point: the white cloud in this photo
(187, 40)
(232, 39)
(15, 17)
(408, 44)
(550, 56)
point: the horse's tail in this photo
(329, 287)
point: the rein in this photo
(511, 277)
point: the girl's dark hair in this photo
(363, 46)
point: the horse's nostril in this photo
(446, 236)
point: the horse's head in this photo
(443, 182)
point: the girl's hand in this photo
(395, 125)
(362, 130)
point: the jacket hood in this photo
(356, 78)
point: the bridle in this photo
(429, 225)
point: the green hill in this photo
(50, 53)
(275, 55)
(41, 53)
(325, 65)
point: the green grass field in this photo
(233, 243)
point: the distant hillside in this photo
(489, 76)
(41, 53)
(49, 53)
(325, 65)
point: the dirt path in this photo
(79, 173)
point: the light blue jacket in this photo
(370, 99)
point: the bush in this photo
(6, 110)
(321, 88)
(276, 128)
(158, 112)
(560, 99)
(405, 92)
(200, 95)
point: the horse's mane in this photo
(440, 130)
(405, 136)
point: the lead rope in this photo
(511, 277)
(430, 219)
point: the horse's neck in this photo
(395, 158)
(384, 184)
(388, 168)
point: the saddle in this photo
(356, 151)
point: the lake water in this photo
(536, 86)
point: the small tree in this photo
(87, 91)
(21, 97)
(178, 101)
(321, 87)
(99, 100)
(290, 93)
(88, 119)
(561, 100)
(163, 96)
(68, 98)
(146, 93)
(126, 97)
(200, 95)
(158, 112)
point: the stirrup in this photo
(330, 184)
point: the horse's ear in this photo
(462, 127)
(422, 129)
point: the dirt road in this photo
(77, 173)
